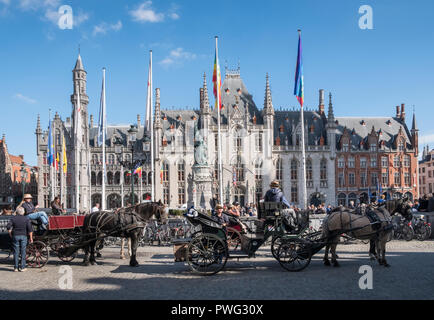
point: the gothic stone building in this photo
(258, 145)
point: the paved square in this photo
(410, 277)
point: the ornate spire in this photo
(331, 116)
(157, 108)
(79, 63)
(38, 125)
(268, 103)
(413, 125)
(205, 95)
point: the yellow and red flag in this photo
(65, 162)
(217, 80)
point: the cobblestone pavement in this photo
(411, 276)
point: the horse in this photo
(360, 227)
(125, 223)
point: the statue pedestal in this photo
(202, 187)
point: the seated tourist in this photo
(220, 217)
(31, 213)
(56, 207)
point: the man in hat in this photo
(220, 217)
(275, 194)
(31, 213)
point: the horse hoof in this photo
(85, 263)
(336, 264)
(98, 255)
(326, 262)
(92, 262)
(386, 265)
(134, 264)
(372, 257)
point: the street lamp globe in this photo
(132, 132)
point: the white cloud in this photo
(24, 98)
(177, 56)
(145, 13)
(5, 2)
(38, 4)
(104, 27)
(174, 16)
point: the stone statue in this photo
(200, 149)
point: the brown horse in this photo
(125, 222)
(345, 221)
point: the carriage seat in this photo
(270, 210)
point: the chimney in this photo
(403, 112)
(321, 102)
(138, 121)
(397, 112)
(21, 156)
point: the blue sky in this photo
(369, 72)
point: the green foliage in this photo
(176, 212)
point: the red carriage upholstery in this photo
(65, 222)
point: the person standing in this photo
(19, 228)
(96, 208)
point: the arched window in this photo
(127, 176)
(94, 159)
(239, 169)
(401, 145)
(352, 197)
(323, 169)
(45, 160)
(294, 165)
(165, 172)
(110, 178)
(342, 199)
(258, 180)
(111, 159)
(407, 161)
(309, 171)
(150, 178)
(181, 171)
(279, 169)
(93, 178)
(99, 179)
(127, 157)
(117, 178)
(238, 140)
(58, 138)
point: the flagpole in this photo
(299, 93)
(50, 132)
(141, 187)
(219, 142)
(151, 125)
(104, 168)
(122, 186)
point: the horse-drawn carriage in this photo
(208, 250)
(62, 232)
(293, 243)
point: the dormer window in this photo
(373, 147)
(388, 122)
(401, 145)
(363, 123)
(345, 147)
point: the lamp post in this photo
(23, 178)
(133, 164)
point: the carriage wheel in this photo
(407, 233)
(206, 254)
(294, 254)
(275, 243)
(64, 258)
(37, 254)
(233, 238)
